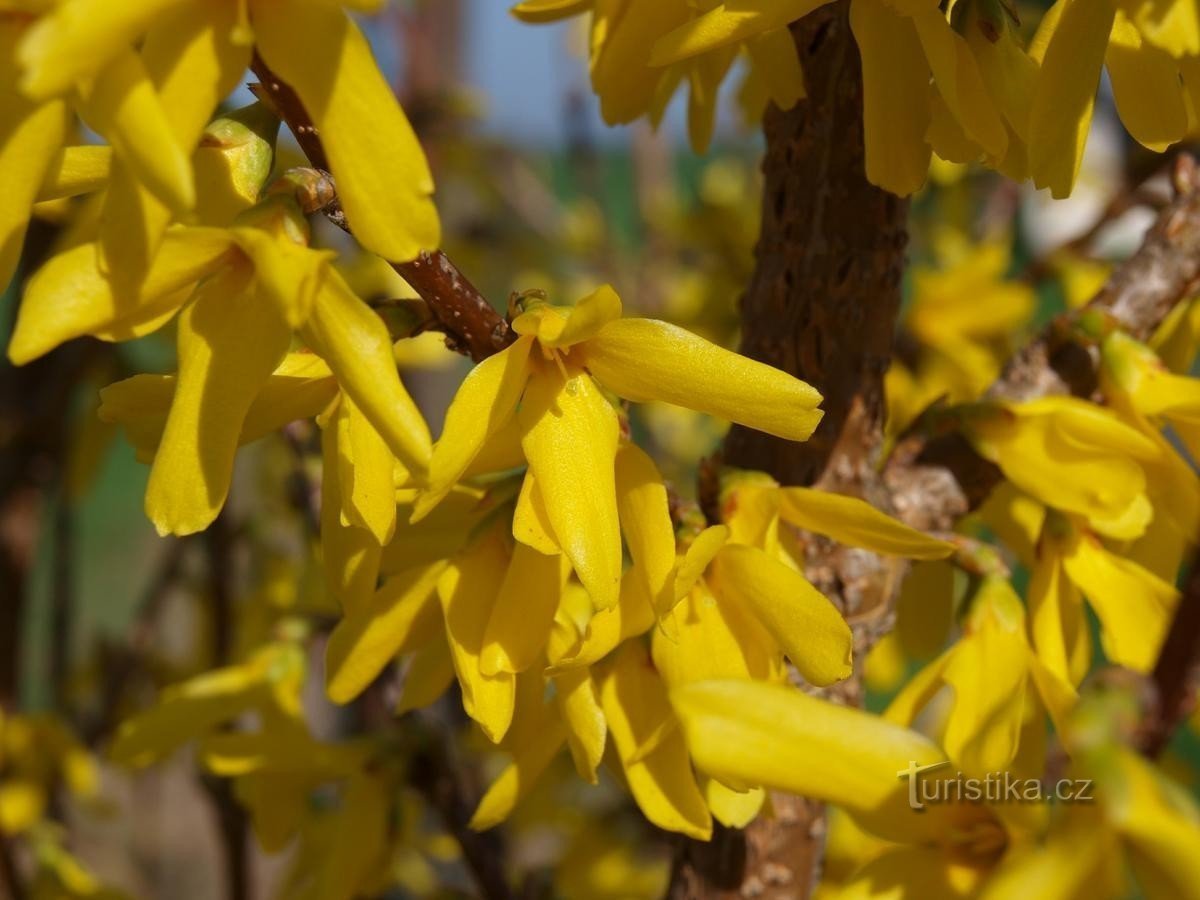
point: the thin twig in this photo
(10, 877)
(132, 656)
(1175, 672)
(433, 773)
(231, 819)
(62, 599)
(471, 324)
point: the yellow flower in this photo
(1065, 452)
(568, 429)
(904, 44)
(269, 682)
(1134, 606)
(746, 734)
(629, 85)
(1138, 822)
(991, 670)
(242, 290)
(1149, 50)
(193, 52)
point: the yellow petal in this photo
(728, 24)
(988, 672)
(123, 106)
(1057, 625)
(711, 638)
(646, 522)
(521, 617)
(69, 296)
(621, 77)
(703, 548)
(925, 609)
(644, 359)
(586, 728)
(400, 617)
(193, 63)
(531, 521)
(776, 60)
(537, 11)
(229, 343)
(74, 171)
(428, 675)
(662, 783)
(485, 401)
(632, 615)
(349, 336)
(29, 137)
(1066, 92)
(895, 97)
(1134, 606)
(80, 37)
(733, 809)
(753, 733)
(852, 521)
(350, 554)
(188, 710)
(467, 590)
(570, 440)
(365, 470)
(807, 626)
(561, 327)
(1146, 88)
(518, 778)
(382, 177)
(959, 82)
(288, 274)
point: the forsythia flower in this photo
(629, 86)
(1065, 452)
(726, 609)
(904, 44)
(1152, 53)
(1140, 823)
(242, 290)
(746, 734)
(991, 670)
(962, 315)
(569, 431)
(193, 53)
(1134, 605)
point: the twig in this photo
(433, 773)
(231, 819)
(141, 633)
(470, 322)
(62, 599)
(10, 877)
(1175, 672)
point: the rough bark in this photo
(821, 305)
(826, 288)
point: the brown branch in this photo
(10, 875)
(232, 824)
(432, 772)
(821, 305)
(140, 636)
(1176, 670)
(471, 324)
(936, 478)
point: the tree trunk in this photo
(821, 305)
